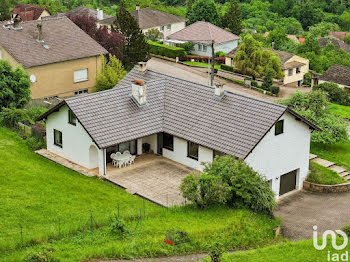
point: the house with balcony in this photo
(60, 58)
(293, 66)
(151, 113)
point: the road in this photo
(200, 75)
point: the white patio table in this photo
(122, 159)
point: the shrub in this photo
(188, 46)
(216, 248)
(307, 79)
(254, 83)
(118, 226)
(247, 187)
(220, 60)
(227, 68)
(45, 255)
(35, 143)
(165, 50)
(204, 190)
(154, 34)
(346, 229)
(9, 117)
(35, 111)
(220, 54)
(335, 94)
(274, 90)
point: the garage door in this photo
(288, 182)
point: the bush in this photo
(165, 50)
(118, 226)
(154, 34)
(9, 117)
(274, 90)
(346, 229)
(204, 190)
(35, 143)
(216, 248)
(35, 111)
(45, 255)
(254, 83)
(220, 54)
(188, 46)
(335, 94)
(220, 60)
(227, 68)
(307, 79)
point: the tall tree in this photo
(232, 19)
(5, 10)
(14, 86)
(308, 14)
(252, 60)
(277, 38)
(135, 48)
(189, 4)
(204, 10)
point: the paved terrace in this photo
(152, 177)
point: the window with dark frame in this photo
(168, 141)
(279, 127)
(57, 137)
(192, 150)
(290, 72)
(72, 119)
(298, 70)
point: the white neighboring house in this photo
(202, 34)
(337, 74)
(149, 18)
(184, 121)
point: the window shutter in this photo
(81, 75)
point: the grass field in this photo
(288, 251)
(343, 111)
(321, 175)
(338, 153)
(38, 194)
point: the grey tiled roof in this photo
(81, 10)
(63, 41)
(233, 125)
(337, 74)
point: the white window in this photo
(199, 47)
(80, 75)
(161, 28)
(290, 72)
(204, 48)
(168, 26)
(81, 92)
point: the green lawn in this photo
(321, 175)
(288, 251)
(38, 193)
(343, 111)
(201, 64)
(338, 153)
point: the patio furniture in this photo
(113, 160)
(121, 160)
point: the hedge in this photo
(165, 50)
(204, 59)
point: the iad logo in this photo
(335, 256)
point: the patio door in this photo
(160, 143)
(130, 146)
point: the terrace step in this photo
(347, 178)
(344, 174)
(323, 162)
(337, 169)
(312, 156)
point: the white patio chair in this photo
(126, 153)
(113, 159)
(132, 160)
(118, 154)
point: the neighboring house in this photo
(184, 121)
(294, 67)
(338, 44)
(203, 34)
(149, 18)
(339, 35)
(29, 12)
(337, 74)
(83, 10)
(60, 58)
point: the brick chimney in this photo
(16, 23)
(138, 92)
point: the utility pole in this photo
(212, 63)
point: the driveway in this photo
(200, 75)
(301, 211)
(152, 177)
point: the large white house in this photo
(202, 34)
(184, 121)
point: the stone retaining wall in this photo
(326, 188)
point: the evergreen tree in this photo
(268, 78)
(204, 10)
(136, 48)
(111, 73)
(232, 18)
(5, 10)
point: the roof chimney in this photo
(142, 67)
(137, 7)
(138, 92)
(219, 90)
(16, 23)
(40, 33)
(99, 14)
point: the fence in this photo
(36, 130)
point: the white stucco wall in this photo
(277, 155)
(75, 140)
(152, 140)
(224, 47)
(174, 28)
(296, 77)
(179, 154)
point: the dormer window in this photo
(279, 127)
(72, 119)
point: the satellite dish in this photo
(33, 78)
